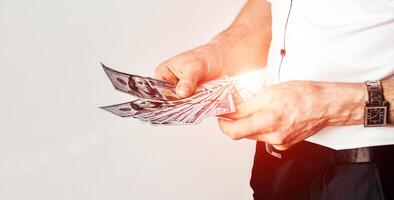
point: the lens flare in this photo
(252, 80)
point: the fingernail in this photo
(183, 90)
(225, 119)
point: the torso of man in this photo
(335, 41)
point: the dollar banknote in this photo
(158, 103)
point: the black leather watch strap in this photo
(375, 93)
(375, 109)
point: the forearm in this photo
(245, 44)
(345, 102)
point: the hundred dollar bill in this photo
(158, 102)
(136, 107)
(140, 86)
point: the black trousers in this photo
(282, 179)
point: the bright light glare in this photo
(252, 80)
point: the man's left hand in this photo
(289, 112)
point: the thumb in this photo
(251, 106)
(188, 82)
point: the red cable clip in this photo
(283, 52)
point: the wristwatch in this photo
(375, 109)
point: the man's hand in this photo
(189, 68)
(241, 47)
(287, 113)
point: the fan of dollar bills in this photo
(158, 103)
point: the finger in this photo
(188, 81)
(257, 137)
(282, 147)
(257, 123)
(163, 72)
(273, 138)
(251, 106)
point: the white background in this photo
(54, 141)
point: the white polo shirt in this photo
(335, 41)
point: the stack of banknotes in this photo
(158, 103)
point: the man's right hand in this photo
(242, 46)
(188, 69)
